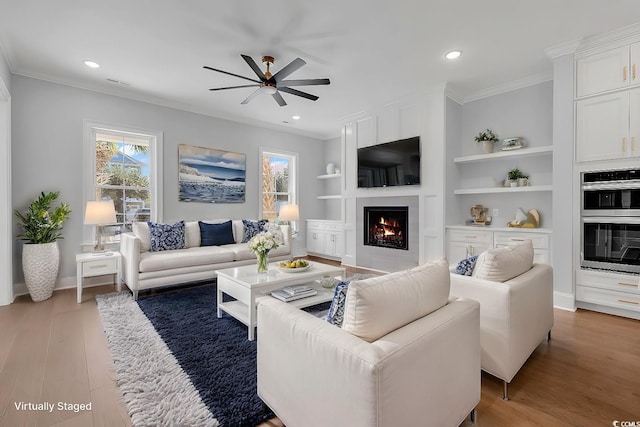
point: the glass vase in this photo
(263, 262)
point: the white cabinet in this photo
(608, 290)
(614, 69)
(324, 238)
(463, 242)
(607, 126)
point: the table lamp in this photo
(289, 213)
(99, 213)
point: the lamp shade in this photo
(100, 212)
(289, 213)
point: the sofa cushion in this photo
(166, 237)
(216, 234)
(502, 264)
(202, 255)
(251, 228)
(141, 231)
(376, 306)
(466, 266)
(192, 234)
(335, 316)
(242, 252)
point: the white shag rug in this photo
(156, 390)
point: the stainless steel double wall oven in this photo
(610, 220)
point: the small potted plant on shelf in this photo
(517, 178)
(487, 138)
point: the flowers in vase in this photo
(486, 135)
(264, 242)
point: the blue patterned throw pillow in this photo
(251, 228)
(335, 316)
(165, 237)
(465, 267)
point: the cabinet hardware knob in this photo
(624, 144)
(633, 143)
(470, 237)
(629, 302)
(633, 72)
(624, 73)
(98, 266)
(513, 239)
(627, 284)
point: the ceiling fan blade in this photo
(307, 82)
(250, 97)
(249, 60)
(279, 99)
(231, 74)
(233, 87)
(288, 69)
(298, 93)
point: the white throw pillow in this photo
(141, 231)
(376, 306)
(192, 234)
(502, 264)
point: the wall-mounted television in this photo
(390, 164)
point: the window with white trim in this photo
(278, 181)
(123, 165)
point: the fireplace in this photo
(386, 226)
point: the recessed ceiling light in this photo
(453, 54)
(295, 117)
(91, 64)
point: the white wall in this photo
(6, 215)
(47, 155)
(332, 154)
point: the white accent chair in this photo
(373, 371)
(515, 316)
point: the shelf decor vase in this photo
(40, 266)
(487, 147)
(263, 262)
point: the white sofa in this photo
(515, 317)
(143, 269)
(389, 365)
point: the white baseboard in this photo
(65, 283)
(564, 301)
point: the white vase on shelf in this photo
(487, 147)
(331, 168)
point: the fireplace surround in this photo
(386, 226)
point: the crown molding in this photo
(563, 49)
(508, 87)
(450, 93)
(619, 36)
(123, 93)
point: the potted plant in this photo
(487, 138)
(41, 228)
(517, 178)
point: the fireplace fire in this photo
(386, 226)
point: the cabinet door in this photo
(315, 241)
(634, 123)
(635, 64)
(602, 125)
(604, 71)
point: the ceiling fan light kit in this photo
(273, 84)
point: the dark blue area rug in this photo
(215, 353)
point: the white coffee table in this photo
(246, 285)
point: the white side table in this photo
(89, 264)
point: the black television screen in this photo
(391, 164)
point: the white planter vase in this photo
(487, 147)
(40, 266)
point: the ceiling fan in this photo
(273, 84)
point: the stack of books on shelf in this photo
(292, 293)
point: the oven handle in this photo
(611, 220)
(618, 185)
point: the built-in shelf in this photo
(504, 189)
(332, 196)
(523, 152)
(330, 176)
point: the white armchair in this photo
(515, 316)
(425, 372)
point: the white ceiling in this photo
(374, 51)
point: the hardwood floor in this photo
(55, 351)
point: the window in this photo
(278, 187)
(122, 165)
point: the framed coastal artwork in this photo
(210, 176)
